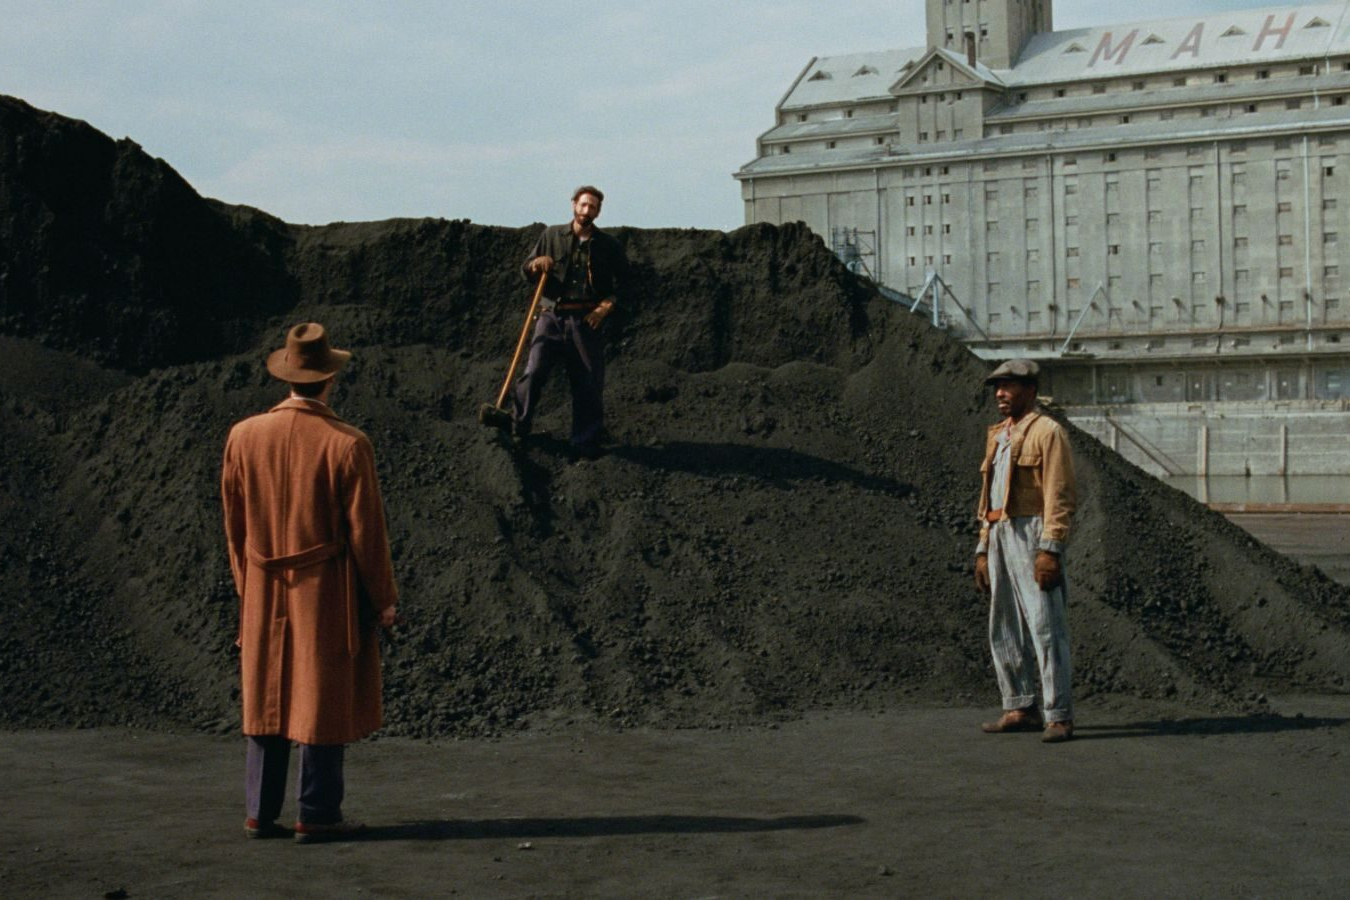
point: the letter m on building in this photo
(1114, 54)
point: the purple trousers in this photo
(582, 351)
(319, 794)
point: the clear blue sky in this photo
(490, 111)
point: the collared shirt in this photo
(998, 483)
(578, 283)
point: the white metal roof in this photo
(1274, 34)
(849, 78)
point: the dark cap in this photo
(1016, 370)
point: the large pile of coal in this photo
(785, 521)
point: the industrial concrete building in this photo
(1159, 210)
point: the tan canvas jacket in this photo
(1042, 479)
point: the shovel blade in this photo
(494, 416)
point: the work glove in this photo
(982, 573)
(1049, 573)
(596, 317)
(540, 264)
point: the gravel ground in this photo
(1152, 800)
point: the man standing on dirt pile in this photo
(1026, 503)
(586, 271)
(311, 562)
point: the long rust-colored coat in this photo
(310, 556)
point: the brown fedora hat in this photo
(306, 358)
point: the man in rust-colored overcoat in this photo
(310, 556)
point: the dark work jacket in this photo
(609, 264)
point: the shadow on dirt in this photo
(597, 826)
(1254, 724)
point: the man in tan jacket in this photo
(1026, 503)
(310, 557)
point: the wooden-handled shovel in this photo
(496, 414)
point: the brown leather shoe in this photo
(309, 833)
(1012, 720)
(1058, 732)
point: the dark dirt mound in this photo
(784, 522)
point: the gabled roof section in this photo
(914, 80)
(855, 77)
(1302, 31)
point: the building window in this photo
(1285, 240)
(1284, 206)
(910, 231)
(830, 145)
(1099, 88)
(1071, 252)
(1220, 77)
(1113, 250)
(1262, 74)
(1288, 104)
(1329, 237)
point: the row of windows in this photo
(1178, 81)
(1109, 157)
(1165, 115)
